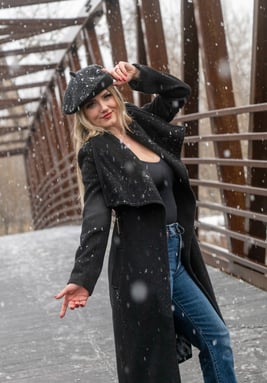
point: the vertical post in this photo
(190, 69)
(117, 40)
(219, 88)
(141, 49)
(67, 124)
(27, 165)
(92, 45)
(154, 34)
(32, 177)
(258, 123)
(74, 58)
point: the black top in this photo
(162, 176)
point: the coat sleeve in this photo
(172, 93)
(95, 226)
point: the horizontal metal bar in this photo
(15, 116)
(18, 141)
(228, 137)
(232, 234)
(232, 210)
(11, 102)
(252, 108)
(23, 86)
(37, 49)
(16, 129)
(12, 152)
(233, 187)
(41, 22)
(232, 257)
(19, 3)
(224, 162)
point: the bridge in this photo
(225, 152)
(225, 147)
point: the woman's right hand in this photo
(75, 296)
(123, 72)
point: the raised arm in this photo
(171, 92)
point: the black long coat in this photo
(116, 180)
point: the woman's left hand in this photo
(75, 296)
(123, 72)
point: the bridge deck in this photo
(36, 346)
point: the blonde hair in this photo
(84, 130)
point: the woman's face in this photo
(102, 110)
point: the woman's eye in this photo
(89, 105)
(107, 95)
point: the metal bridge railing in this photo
(217, 252)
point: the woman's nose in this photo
(103, 105)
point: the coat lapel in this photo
(124, 178)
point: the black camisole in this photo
(162, 176)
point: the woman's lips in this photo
(107, 116)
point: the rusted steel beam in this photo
(190, 69)
(9, 88)
(41, 160)
(58, 120)
(17, 29)
(47, 142)
(36, 159)
(141, 49)
(34, 23)
(12, 129)
(67, 120)
(117, 38)
(16, 116)
(42, 140)
(258, 122)
(45, 128)
(37, 49)
(92, 46)
(17, 141)
(116, 32)
(73, 57)
(11, 102)
(7, 72)
(155, 39)
(53, 125)
(19, 3)
(12, 152)
(219, 89)
(30, 171)
(51, 133)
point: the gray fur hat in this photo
(86, 83)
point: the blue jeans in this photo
(198, 320)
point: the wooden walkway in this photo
(38, 347)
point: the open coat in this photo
(116, 180)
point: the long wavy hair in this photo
(84, 130)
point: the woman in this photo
(161, 295)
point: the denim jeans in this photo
(198, 320)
